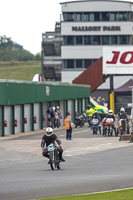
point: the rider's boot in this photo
(61, 158)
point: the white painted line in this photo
(130, 188)
(85, 131)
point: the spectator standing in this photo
(49, 116)
(100, 101)
(59, 116)
(67, 123)
(52, 116)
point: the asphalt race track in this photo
(93, 163)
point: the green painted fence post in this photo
(13, 120)
(23, 127)
(3, 128)
(41, 113)
(32, 116)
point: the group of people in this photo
(100, 100)
(94, 114)
(53, 116)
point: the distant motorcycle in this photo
(123, 127)
(110, 127)
(95, 126)
(79, 121)
(54, 160)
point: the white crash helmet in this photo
(57, 107)
(110, 112)
(122, 110)
(53, 108)
(49, 131)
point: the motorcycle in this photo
(110, 127)
(123, 127)
(79, 121)
(54, 159)
(95, 126)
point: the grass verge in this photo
(25, 72)
(113, 195)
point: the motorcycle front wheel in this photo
(51, 159)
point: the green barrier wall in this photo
(17, 92)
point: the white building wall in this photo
(78, 52)
(45, 108)
(37, 113)
(71, 108)
(27, 114)
(18, 117)
(69, 76)
(8, 117)
(62, 111)
(96, 6)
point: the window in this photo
(79, 63)
(78, 17)
(87, 40)
(113, 16)
(105, 16)
(114, 39)
(123, 16)
(120, 16)
(96, 16)
(92, 17)
(105, 40)
(87, 63)
(96, 40)
(123, 39)
(68, 16)
(131, 16)
(79, 40)
(70, 40)
(86, 17)
(70, 64)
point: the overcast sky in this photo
(25, 20)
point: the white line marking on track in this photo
(130, 188)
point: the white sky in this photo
(25, 20)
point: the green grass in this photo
(115, 195)
(25, 72)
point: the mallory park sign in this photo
(96, 28)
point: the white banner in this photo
(118, 60)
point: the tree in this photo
(37, 56)
(5, 48)
(10, 51)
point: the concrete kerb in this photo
(7, 137)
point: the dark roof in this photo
(125, 87)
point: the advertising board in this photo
(118, 60)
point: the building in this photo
(51, 54)
(87, 27)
